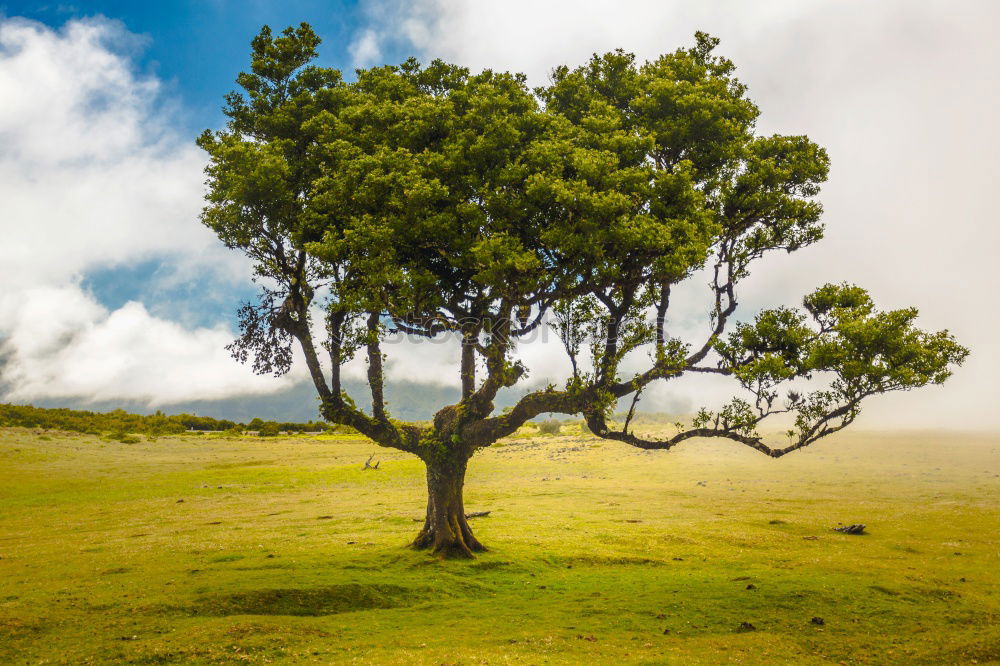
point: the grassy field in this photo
(211, 550)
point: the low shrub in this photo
(549, 427)
(269, 429)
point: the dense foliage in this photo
(432, 201)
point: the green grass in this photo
(285, 551)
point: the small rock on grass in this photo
(745, 627)
(818, 620)
(857, 528)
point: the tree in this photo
(431, 201)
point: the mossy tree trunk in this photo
(446, 530)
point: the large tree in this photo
(433, 202)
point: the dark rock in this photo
(850, 529)
(745, 627)
(818, 620)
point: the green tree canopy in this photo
(433, 201)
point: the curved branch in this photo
(846, 413)
(488, 430)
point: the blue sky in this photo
(198, 47)
(196, 50)
(111, 290)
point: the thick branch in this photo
(499, 373)
(486, 431)
(616, 315)
(468, 365)
(337, 408)
(375, 377)
(661, 317)
(335, 325)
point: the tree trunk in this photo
(446, 530)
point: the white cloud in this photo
(68, 346)
(90, 172)
(91, 175)
(365, 49)
(902, 94)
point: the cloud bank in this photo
(92, 176)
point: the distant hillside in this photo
(408, 401)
